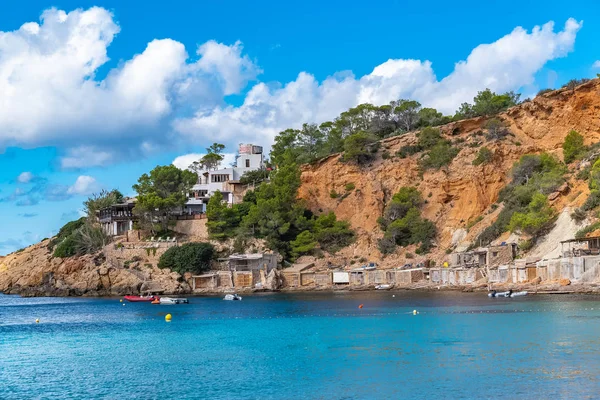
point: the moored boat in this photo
(383, 287)
(137, 299)
(509, 293)
(232, 297)
(173, 300)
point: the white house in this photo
(226, 180)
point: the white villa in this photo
(226, 180)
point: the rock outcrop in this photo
(460, 195)
(34, 272)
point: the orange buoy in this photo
(360, 306)
(155, 301)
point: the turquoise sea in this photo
(308, 346)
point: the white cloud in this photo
(184, 161)
(596, 64)
(25, 177)
(50, 94)
(84, 186)
(161, 97)
(86, 156)
(507, 64)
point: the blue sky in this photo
(95, 93)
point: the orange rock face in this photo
(461, 192)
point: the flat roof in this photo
(299, 267)
(585, 239)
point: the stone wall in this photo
(194, 228)
(500, 255)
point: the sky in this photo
(95, 93)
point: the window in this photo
(216, 178)
(247, 163)
(494, 254)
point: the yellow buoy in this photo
(414, 312)
(37, 320)
(168, 317)
(121, 300)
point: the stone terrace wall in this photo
(195, 228)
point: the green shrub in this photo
(525, 245)
(573, 147)
(332, 234)
(496, 128)
(592, 201)
(439, 155)
(408, 150)
(66, 248)
(66, 231)
(403, 224)
(483, 157)
(428, 137)
(254, 177)
(386, 155)
(333, 194)
(304, 243)
(190, 257)
(578, 215)
(360, 148)
(536, 218)
(588, 229)
(409, 255)
(349, 187)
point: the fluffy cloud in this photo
(184, 161)
(596, 64)
(507, 64)
(84, 186)
(25, 177)
(50, 94)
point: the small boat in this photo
(383, 287)
(137, 299)
(232, 297)
(173, 300)
(518, 294)
(507, 294)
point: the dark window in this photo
(494, 254)
(219, 178)
(247, 163)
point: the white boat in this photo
(173, 300)
(383, 287)
(232, 297)
(507, 294)
(518, 294)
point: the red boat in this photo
(137, 299)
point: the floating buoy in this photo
(168, 317)
(360, 306)
(393, 295)
(121, 300)
(37, 320)
(415, 312)
(123, 304)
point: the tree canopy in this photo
(165, 188)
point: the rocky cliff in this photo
(460, 194)
(34, 272)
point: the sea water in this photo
(310, 346)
